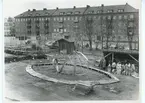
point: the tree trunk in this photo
(90, 42)
(107, 42)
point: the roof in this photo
(34, 13)
(77, 10)
(68, 40)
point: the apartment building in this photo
(113, 23)
(9, 26)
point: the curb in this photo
(113, 79)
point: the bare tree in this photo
(109, 27)
(89, 30)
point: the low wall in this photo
(113, 79)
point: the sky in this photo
(12, 8)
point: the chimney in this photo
(74, 7)
(102, 5)
(88, 6)
(56, 8)
(28, 9)
(44, 9)
(34, 9)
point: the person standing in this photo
(129, 69)
(109, 68)
(118, 68)
(126, 69)
(132, 69)
(122, 69)
(113, 68)
(104, 64)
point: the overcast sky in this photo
(15, 7)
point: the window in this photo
(58, 19)
(131, 16)
(120, 17)
(125, 16)
(130, 24)
(54, 30)
(64, 18)
(46, 13)
(57, 30)
(99, 17)
(54, 19)
(114, 17)
(61, 13)
(76, 18)
(109, 17)
(110, 11)
(69, 13)
(130, 32)
(99, 11)
(120, 10)
(104, 17)
(98, 37)
(77, 12)
(68, 18)
(64, 30)
(90, 12)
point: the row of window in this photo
(77, 18)
(27, 19)
(89, 12)
(60, 30)
(66, 18)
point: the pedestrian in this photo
(132, 69)
(113, 68)
(129, 69)
(122, 69)
(109, 68)
(126, 69)
(104, 64)
(118, 68)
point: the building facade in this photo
(9, 26)
(102, 24)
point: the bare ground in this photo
(22, 86)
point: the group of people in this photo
(125, 68)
